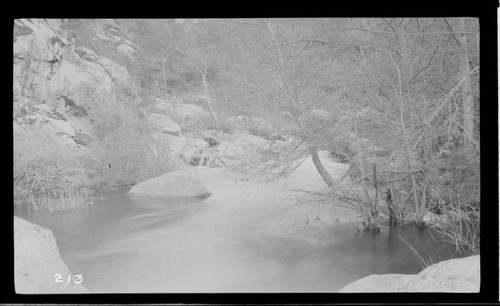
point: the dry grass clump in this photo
(44, 170)
(461, 226)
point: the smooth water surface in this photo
(129, 244)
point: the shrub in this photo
(129, 155)
(460, 225)
(125, 148)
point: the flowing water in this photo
(129, 244)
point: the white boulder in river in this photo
(178, 183)
(38, 267)
(455, 275)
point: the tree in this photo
(391, 82)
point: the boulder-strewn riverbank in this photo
(456, 275)
(236, 204)
(85, 122)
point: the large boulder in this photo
(126, 49)
(169, 144)
(84, 132)
(164, 124)
(60, 127)
(62, 131)
(241, 148)
(187, 114)
(178, 183)
(259, 126)
(37, 262)
(455, 275)
(70, 126)
(117, 73)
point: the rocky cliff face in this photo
(55, 81)
(47, 64)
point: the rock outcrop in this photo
(178, 183)
(187, 114)
(55, 82)
(455, 275)
(193, 150)
(169, 144)
(46, 64)
(164, 124)
(259, 126)
(69, 129)
(254, 125)
(37, 263)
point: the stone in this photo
(83, 139)
(193, 149)
(237, 122)
(164, 124)
(118, 73)
(126, 49)
(60, 127)
(56, 66)
(83, 129)
(195, 99)
(191, 154)
(43, 107)
(177, 183)
(198, 143)
(454, 275)
(241, 148)
(259, 126)
(65, 140)
(373, 283)
(170, 144)
(186, 113)
(55, 102)
(37, 262)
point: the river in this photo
(129, 244)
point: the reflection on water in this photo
(129, 244)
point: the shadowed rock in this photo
(37, 261)
(455, 275)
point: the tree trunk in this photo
(164, 81)
(205, 84)
(320, 167)
(468, 102)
